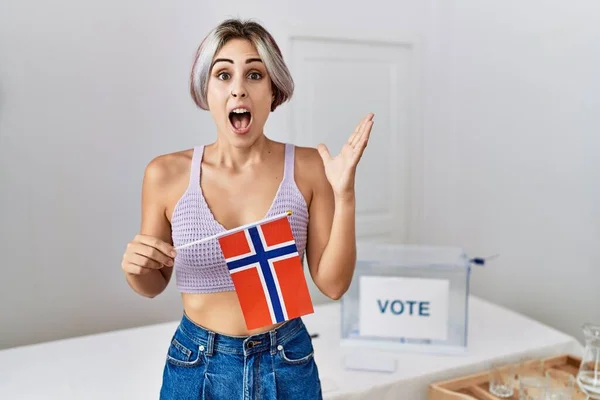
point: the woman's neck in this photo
(229, 156)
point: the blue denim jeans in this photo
(278, 364)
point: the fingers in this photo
(158, 244)
(358, 136)
(324, 152)
(153, 254)
(142, 261)
(354, 134)
(146, 253)
(362, 144)
(357, 141)
(135, 269)
(360, 130)
(138, 264)
(357, 130)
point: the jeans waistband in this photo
(246, 345)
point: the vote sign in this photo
(398, 307)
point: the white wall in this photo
(90, 92)
(511, 152)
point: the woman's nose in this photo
(238, 91)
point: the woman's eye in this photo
(225, 76)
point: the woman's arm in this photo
(331, 245)
(148, 259)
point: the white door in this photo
(337, 82)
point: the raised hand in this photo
(341, 169)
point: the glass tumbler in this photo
(502, 380)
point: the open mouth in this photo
(240, 120)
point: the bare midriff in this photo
(219, 312)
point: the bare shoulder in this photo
(308, 156)
(167, 176)
(166, 169)
(309, 171)
(308, 162)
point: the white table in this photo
(127, 364)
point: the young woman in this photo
(239, 75)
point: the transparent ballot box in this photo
(408, 297)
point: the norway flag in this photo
(267, 273)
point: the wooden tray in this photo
(475, 387)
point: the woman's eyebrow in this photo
(248, 61)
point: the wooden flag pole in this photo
(234, 230)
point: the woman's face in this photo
(239, 92)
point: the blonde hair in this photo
(283, 84)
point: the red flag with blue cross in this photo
(267, 272)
